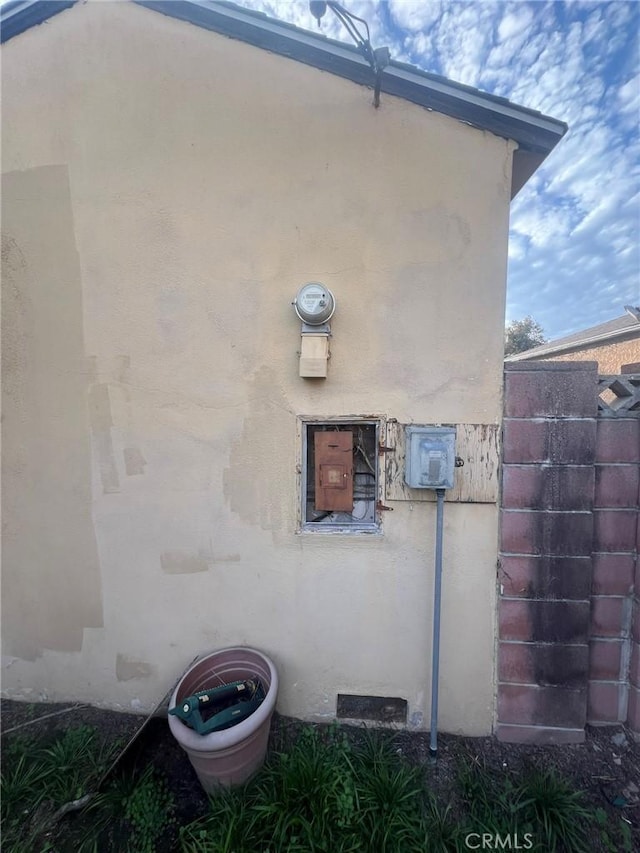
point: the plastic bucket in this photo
(234, 755)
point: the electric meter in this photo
(314, 303)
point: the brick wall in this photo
(633, 706)
(615, 505)
(567, 652)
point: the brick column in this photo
(549, 442)
(614, 562)
(633, 710)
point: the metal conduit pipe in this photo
(430, 461)
(435, 653)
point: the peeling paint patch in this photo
(128, 669)
(476, 482)
(182, 563)
(101, 423)
(51, 583)
(91, 362)
(123, 363)
(134, 461)
(257, 482)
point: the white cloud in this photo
(414, 17)
(515, 23)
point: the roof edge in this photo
(543, 350)
(21, 15)
(532, 130)
(536, 134)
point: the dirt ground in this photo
(606, 767)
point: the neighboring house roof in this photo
(535, 133)
(627, 326)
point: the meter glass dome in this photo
(314, 303)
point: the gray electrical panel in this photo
(430, 457)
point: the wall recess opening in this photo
(340, 475)
(379, 709)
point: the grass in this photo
(323, 793)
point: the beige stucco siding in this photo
(200, 181)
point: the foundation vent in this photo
(379, 709)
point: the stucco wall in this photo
(167, 190)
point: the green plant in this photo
(491, 800)
(18, 745)
(102, 820)
(22, 788)
(616, 836)
(230, 826)
(325, 795)
(321, 796)
(539, 802)
(70, 763)
(390, 795)
(132, 813)
(38, 778)
(626, 838)
(148, 810)
(556, 810)
(302, 801)
(442, 834)
(298, 792)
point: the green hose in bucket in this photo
(221, 707)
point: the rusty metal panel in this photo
(476, 482)
(334, 470)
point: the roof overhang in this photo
(545, 350)
(536, 135)
(20, 15)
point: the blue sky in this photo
(574, 248)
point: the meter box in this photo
(430, 457)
